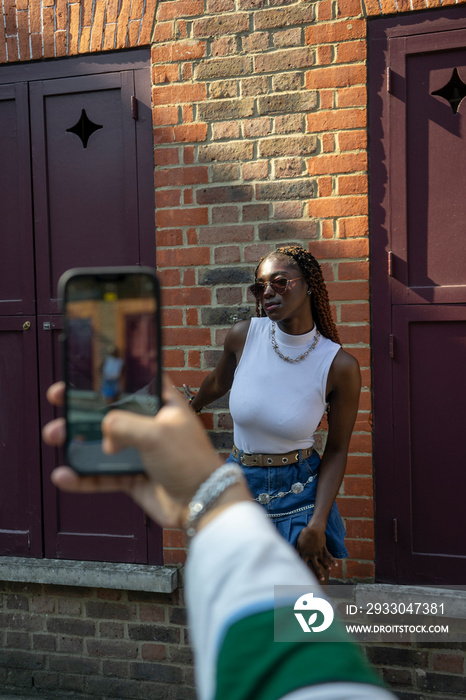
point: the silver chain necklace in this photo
(285, 357)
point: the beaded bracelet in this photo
(190, 400)
(209, 492)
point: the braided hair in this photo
(312, 274)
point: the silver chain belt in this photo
(298, 487)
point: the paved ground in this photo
(39, 696)
(60, 695)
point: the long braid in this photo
(312, 273)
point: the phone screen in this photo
(111, 338)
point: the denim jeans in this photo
(287, 494)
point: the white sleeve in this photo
(233, 565)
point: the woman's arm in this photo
(219, 381)
(343, 389)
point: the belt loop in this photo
(300, 453)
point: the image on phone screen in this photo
(111, 358)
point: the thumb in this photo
(122, 429)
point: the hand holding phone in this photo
(111, 359)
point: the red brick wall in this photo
(35, 29)
(121, 644)
(259, 125)
(95, 643)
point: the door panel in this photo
(16, 247)
(87, 529)
(436, 155)
(430, 456)
(20, 495)
(427, 151)
(85, 177)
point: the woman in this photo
(285, 368)
(112, 369)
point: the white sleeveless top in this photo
(277, 406)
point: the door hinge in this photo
(389, 80)
(134, 107)
(390, 263)
(391, 345)
(395, 529)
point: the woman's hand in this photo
(177, 455)
(188, 393)
(312, 548)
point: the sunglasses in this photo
(279, 286)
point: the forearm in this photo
(331, 473)
(209, 391)
(344, 384)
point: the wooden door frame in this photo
(109, 62)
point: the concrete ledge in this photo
(90, 574)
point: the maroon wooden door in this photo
(20, 495)
(418, 82)
(92, 193)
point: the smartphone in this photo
(111, 350)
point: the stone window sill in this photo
(90, 574)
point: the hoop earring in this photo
(309, 292)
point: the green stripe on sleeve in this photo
(251, 666)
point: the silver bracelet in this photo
(209, 492)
